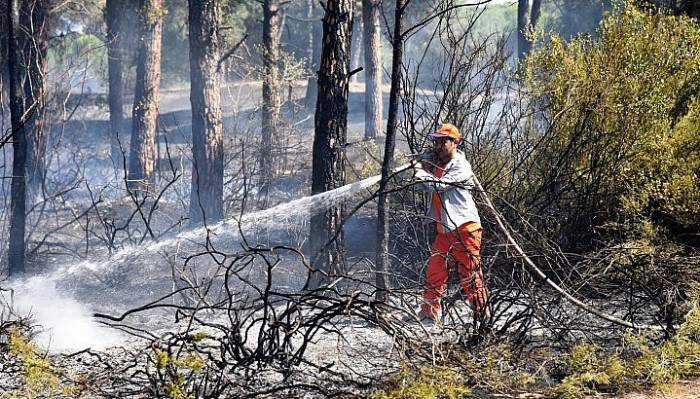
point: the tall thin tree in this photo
(371, 10)
(27, 46)
(20, 107)
(528, 16)
(4, 48)
(146, 96)
(270, 92)
(330, 137)
(535, 12)
(115, 53)
(315, 36)
(382, 255)
(357, 46)
(207, 197)
(34, 22)
(523, 10)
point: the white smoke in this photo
(64, 325)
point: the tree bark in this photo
(146, 97)
(207, 196)
(315, 45)
(270, 92)
(330, 137)
(115, 54)
(373, 68)
(382, 256)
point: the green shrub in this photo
(491, 368)
(177, 370)
(40, 377)
(676, 358)
(426, 383)
(624, 139)
(588, 368)
(496, 368)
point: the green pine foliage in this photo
(79, 52)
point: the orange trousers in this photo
(461, 246)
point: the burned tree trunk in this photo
(146, 97)
(270, 92)
(19, 108)
(115, 54)
(35, 38)
(315, 44)
(373, 68)
(27, 46)
(382, 256)
(206, 196)
(328, 170)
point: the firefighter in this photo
(447, 176)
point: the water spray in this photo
(68, 324)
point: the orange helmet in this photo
(447, 130)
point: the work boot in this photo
(427, 319)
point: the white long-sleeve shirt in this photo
(458, 206)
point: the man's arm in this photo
(458, 175)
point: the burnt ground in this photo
(362, 351)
